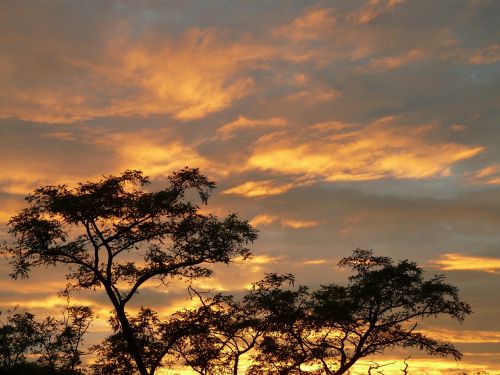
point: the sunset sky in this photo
(330, 125)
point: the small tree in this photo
(295, 331)
(222, 330)
(55, 343)
(335, 326)
(155, 337)
(60, 341)
(18, 336)
(96, 228)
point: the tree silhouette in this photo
(55, 343)
(221, 331)
(155, 337)
(292, 330)
(60, 341)
(18, 335)
(335, 326)
(96, 228)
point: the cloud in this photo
(314, 262)
(229, 130)
(394, 62)
(309, 26)
(461, 262)
(151, 153)
(259, 188)
(187, 77)
(489, 175)
(463, 336)
(486, 55)
(264, 219)
(382, 149)
(374, 9)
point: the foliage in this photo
(55, 343)
(154, 336)
(325, 331)
(377, 310)
(60, 340)
(98, 226)
(18, 335)
(220, 332)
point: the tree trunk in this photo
(127, 332)
(235, 367)
(132, 343)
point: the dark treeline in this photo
(280, 328)
(56, 344)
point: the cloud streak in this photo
(382, 149)
(461, 262)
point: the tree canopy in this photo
(115, 235)
(296, 330)
(55, 343)
(94, 226)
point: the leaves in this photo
(117, 236)
(297, 330)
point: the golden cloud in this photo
(373, 9)
(460, 262)
(228, 131)
(153, 157)
(488, 175)
(314, 262)
(264, 219)
(486, 55)
(188, 78)
(379, 150)
(259, 188)
(310, 26)
(463, 336)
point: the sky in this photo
(329, 125)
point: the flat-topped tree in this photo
(330, 329)
(96, 226)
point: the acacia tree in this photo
(153, 335)
(335, 326)
(55, 343)
(97, 226)
(222, 331)
(18, 336)
(60, 341)
(295, 330)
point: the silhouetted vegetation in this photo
(97, 228)
(93, 227)
(55, 344)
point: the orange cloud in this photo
(314, 262)
(394, 62)
(309, 26)
(153, 157)
(299, 224)
(259, 188)
(488, 175)
(265, 219)
(379, 150)
(460, 262)
(228, 131)
(463, 336)
(189, 77)
(373, 9)
(486, 55)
